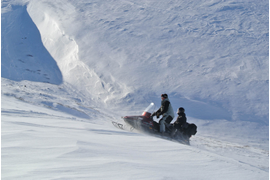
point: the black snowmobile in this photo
(146, 124)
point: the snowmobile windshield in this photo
(150, 108)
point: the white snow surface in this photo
(71, 67)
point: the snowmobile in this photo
(146, 124)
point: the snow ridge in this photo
(70, 67)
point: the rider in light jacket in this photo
(166, 111)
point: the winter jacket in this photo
(180, 121)
(166, 108)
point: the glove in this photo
(152, 115)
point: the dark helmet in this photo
(164, 95)
(180, 110)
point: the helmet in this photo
(180, 110)
(164, 95)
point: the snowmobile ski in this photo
(122, 126)
(118, 125)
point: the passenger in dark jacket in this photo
(180, 122)
(181, 119)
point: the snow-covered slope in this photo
(56, 141)
(69, 67)
(213, 52)
(23, 54)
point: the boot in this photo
(162, 133)
(173, 132)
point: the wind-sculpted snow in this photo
(23, 56)
(70, 67)
(212, 52)
(44, 143)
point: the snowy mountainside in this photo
(70, 67)
(212, 52)
(63, 98)
(23, 54)
(119, 56)
(46, 135)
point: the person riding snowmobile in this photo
(180, 122)
(166, 111)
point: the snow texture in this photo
(70, 67)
